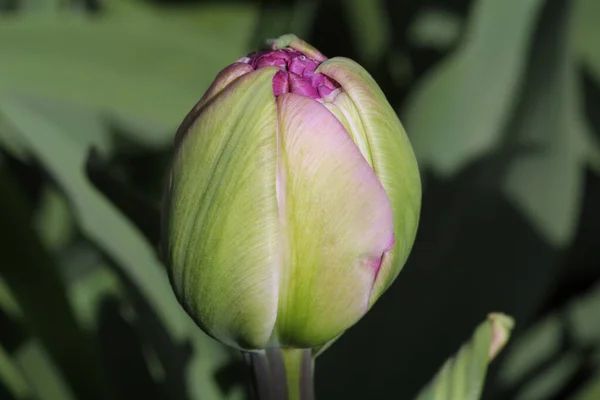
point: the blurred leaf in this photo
(53, 220)
(546, 183)
(437, 29)
(11, 142)
(33, 278)
(303, 17)
(274, 21)
(591, 391)
(584, 317)
(458, 112)
(138, 206)
(41, 5)
(101, 223)
(280, 18)
(201, 372)
(145, 66)
(532, 348)
(7, 301)
(463, 376)
(550, 381)
(87, 292)
(41, 372)
(65, 161)
(370, 28)
(12, 377)
(586, 33)
(461, 111)
(400, 68)
(540, 360)
(85, 126)
(592, 149)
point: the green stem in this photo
(282, 374)
(298, 365)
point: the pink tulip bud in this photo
(294, 199)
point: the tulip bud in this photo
(293, 199)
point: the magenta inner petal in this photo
(297, 73)
(303, 65)
(300, 85)
(280, 83)
(324, 91)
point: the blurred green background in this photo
(501, 100)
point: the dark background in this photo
(501, 101)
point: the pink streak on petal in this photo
(377, 264)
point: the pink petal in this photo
(337, 221)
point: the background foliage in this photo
(499, 98)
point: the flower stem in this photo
(282, 374)
(299, 372)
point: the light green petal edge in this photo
(224, 226)
(391, 156)
(223, 79)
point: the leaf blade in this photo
(462, 376)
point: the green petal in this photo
(224, 224)
(391, 155)
(346, 112)
(336, 222)
(223, 79)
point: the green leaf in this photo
(550, 380)
(148, 66)
(458, 112)
(586, 32)
(583, 317)
(86, 126)
(41, 372)
(64, 159)
(462, 377)
(33, 278)
(436, 29)
(12, 142)
(471, 106)
(279, 19)
(546, 182)
(13, 378)
(539, 361)
(535, 346)
(88, 291)
(99, 221)
(592, 146)
(53, 221)
(591, 391)
(8, 304)
(40, 5)
(371, 28)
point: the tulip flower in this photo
(293, 200)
